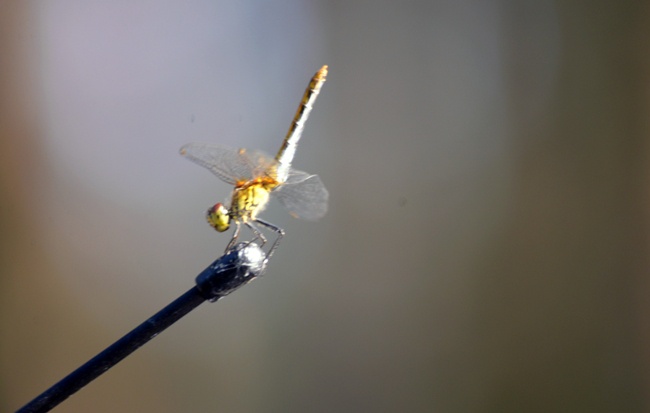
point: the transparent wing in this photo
(229, 164)
(304, 195)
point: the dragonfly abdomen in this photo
(288, 149)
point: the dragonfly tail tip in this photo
(322, 73)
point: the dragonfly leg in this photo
(278, 230)
(233, 240)
(257, 232)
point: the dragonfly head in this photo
(218, 217)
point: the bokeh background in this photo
(487, 239)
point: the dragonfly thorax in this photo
(249, 199)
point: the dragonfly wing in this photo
(229, 164)
(304, 195)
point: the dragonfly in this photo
(257, 177)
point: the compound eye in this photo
(218, 217)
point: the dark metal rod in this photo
(115, 353)
(234, 269)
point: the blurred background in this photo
(486, 244)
